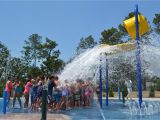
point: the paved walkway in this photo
(25, 116)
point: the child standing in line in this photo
(33, 94)
(39, 94)
(64, 97)
(70, 96)
(57, 97)
(17, 92)
(98, 93)
(87, 94)
(77, 96)
(90, 96)
(8, 88)
(26, 93)
(82, 90)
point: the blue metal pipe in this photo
(107, 83)
(138, 57)
(100, 83)
(4, 103)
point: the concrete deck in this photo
(25, 116)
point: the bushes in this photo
(158, 85)
(2, 84)
(124, 89)
(104, 94)
(151, 91)
(111, 94)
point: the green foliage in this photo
(122, 30)
(104, 94)
(152, 91)
(2, 84)
(31, 49)
(34, 71)
(84, 44)
(124, 89)
(4, 59)
(111, 94)
(50, 56)
(111, 37)
(46, 54)
(18, 67)
(156, 22)
(158, 85)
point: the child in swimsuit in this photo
(57, 97)
(17, 92)
(33, 94)
(98, 93)
(77, 96)
(26, 93)
(8, 88)
(87, 95)
(39, 94)
(64, 97)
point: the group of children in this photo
(60, 96)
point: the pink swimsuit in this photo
(9, 86)
(27, 87)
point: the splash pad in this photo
(86, 66)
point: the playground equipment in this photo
(4, 103)
(137, 26)
(100, 82)
(44, 103)
(129, 24)
(107, 83)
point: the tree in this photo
(156, 22)
(158, 84)
(18, 67)
(84, 44)
(31, 49)
(151, 91)
(4, 58)
(114, 36)
(111, 37)
(51, 63)
(123, 68)
(34, 71)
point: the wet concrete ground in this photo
(29, 116)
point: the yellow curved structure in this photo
(129, 24)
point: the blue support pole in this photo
(4, 103)
(138, 57)
(100, 83)
(107, 83)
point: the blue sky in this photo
(64, 21)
